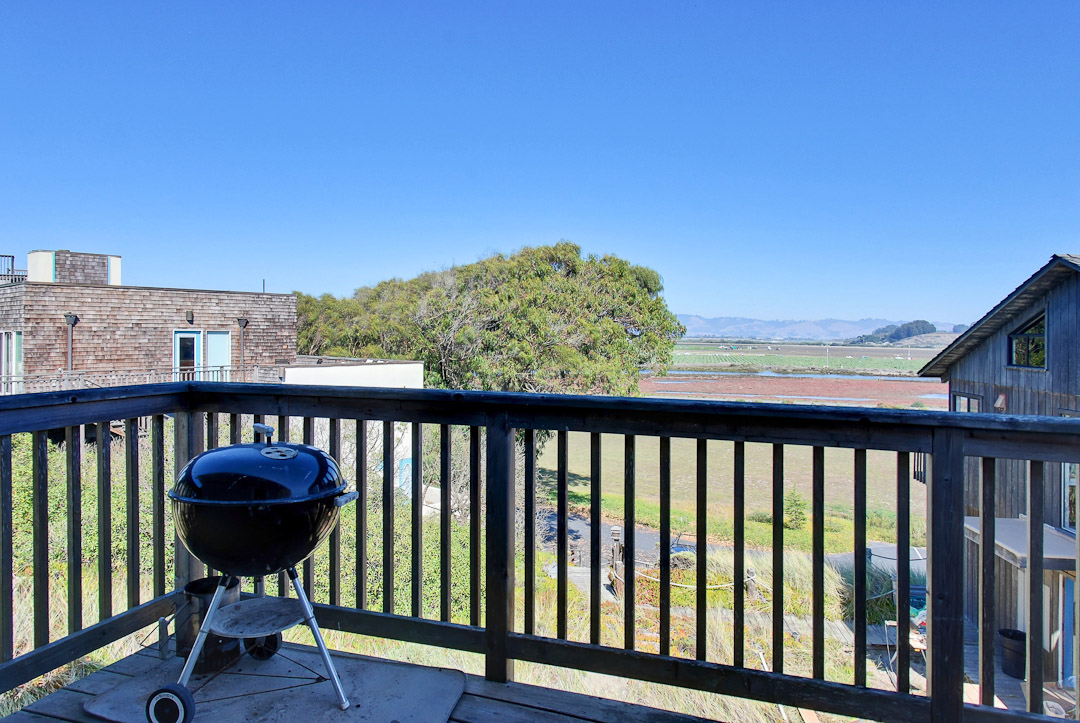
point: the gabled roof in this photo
(1060, 267)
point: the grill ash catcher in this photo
(251, 510)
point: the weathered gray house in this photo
(1023, 357)
(67, 322)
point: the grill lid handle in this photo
(342, 500)
(265, 430)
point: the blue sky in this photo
(770, 160)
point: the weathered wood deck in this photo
(482, 701)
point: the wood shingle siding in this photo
(131, 328)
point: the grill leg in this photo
(309, 616)
(204, 630)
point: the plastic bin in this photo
(1013, 649)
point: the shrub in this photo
(794, 510)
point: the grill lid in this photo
(259, 473)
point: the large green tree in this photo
(544, 319)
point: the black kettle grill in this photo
(253, 510)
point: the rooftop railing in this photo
(78, 379)
(491, 440)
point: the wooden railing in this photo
(501, 434)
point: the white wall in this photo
(114, 271)
(40, 266)
(398, 375)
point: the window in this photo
(1027, 345)
(965, 403)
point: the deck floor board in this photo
(482, 701)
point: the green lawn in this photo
(839, 482)
(704, 360)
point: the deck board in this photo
(482, 701)
(583, 707)
(64, 704)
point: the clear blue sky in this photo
(771, 160)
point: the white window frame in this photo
(199, 351)
(959, 399)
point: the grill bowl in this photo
(256, 509)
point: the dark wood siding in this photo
(1054, 391)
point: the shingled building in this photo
(68, 322)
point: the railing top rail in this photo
(549, 403)
(51, 410)
(888, 429)
(1046, 438)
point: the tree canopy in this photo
(892, 332)
(544, 319)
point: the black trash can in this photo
(217, 652)
(1013, 648)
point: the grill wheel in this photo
(172, 703)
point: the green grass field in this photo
(839, 483)
(706, 360)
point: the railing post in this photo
(187, 442)
(945, 503)
(500, 549)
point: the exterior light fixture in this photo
(71, 319)
(190, 317)
(242, 322)
(999, 404)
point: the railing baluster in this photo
(361, 513)
(665, 545)
(945, 591)
(738, 605)
(530, 531)
(561, 534)
(498, 665)
(335, 535)
(131, 473)
(212, 432)
(308, 579)
(778, 559)
(818, 554)
(474, 526)
(860, 567)
(7, 562)
(903, 571)
(629, 551)
(157, 477)
(41, 538)
(73, 450)
(987, 556)
(595, 547)
(388, 516)
(1035, 588)
(701, 527)
(234, 429)
(445, 530)
(417, 519)
(282, 436)
(187, 443)
(104, 528)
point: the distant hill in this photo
(820, 330)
